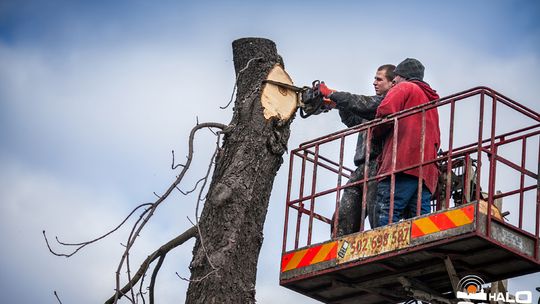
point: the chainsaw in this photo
(311, 101)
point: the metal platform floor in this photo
(401, 261)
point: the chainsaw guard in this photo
(312, 103)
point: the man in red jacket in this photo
(409, 91)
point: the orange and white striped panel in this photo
(309, 256)
(442, 221)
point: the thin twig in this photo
(131, 238)
(198, 279)
(128, 267)
(201, 239)
(83, 244)
(154, 276)
(236, 81)
(165, 195)
(194, 187)
(205, 178)
(142, 221)
(57, 298)
(172, 165)
(141, 292)
(212, 131)
(177, 241)
(129, 298)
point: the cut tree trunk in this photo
(233, 217)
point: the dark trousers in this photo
(350, 207)
(405, 199)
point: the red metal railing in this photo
(492, 148)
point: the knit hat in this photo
(410, 69)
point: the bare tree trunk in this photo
(233, 216)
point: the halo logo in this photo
(471, 287)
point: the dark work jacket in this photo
(355, 110)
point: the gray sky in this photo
(94, 95)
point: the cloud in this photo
(33, 201)
(92, 100)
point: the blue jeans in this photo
(405, 196)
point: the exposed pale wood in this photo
(278, 102)
(495, 212)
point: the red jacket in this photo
(403, 96)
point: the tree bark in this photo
(233, 217)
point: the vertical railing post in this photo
(393, 173)
(338, 191)
(301, 198)
(465, 196)
(421, 168)
(449, 155)
(287, 203)
(522, 180)
(366, 177)
(479, 156)
(492, 163)
(313, 191)
(537, 222)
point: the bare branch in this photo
(194, 187)
(177, 241)
(172, 165)
(198, 279)
(236, 81)
(141, 292)
(212, 131)
(154, 276)
(166, 194)
(199, 199)
(130, 299)
(130, 239)
(128, 267)
(83, 244)
(201, 239)
(57, 298)
(141, 222)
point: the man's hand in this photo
(325, 91)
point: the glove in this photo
(325, 91)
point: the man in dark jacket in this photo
(354, 110)
(409, 91)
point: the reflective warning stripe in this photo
(309, 256)
(442, 221)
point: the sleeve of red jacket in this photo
(393, 102)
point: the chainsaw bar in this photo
(286, 86)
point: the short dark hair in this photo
(388, 71)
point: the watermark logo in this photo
(471, 287)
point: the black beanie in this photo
(410, 69)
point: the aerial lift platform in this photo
(484, 220)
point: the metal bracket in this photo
(452, 274)
(417, 290)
